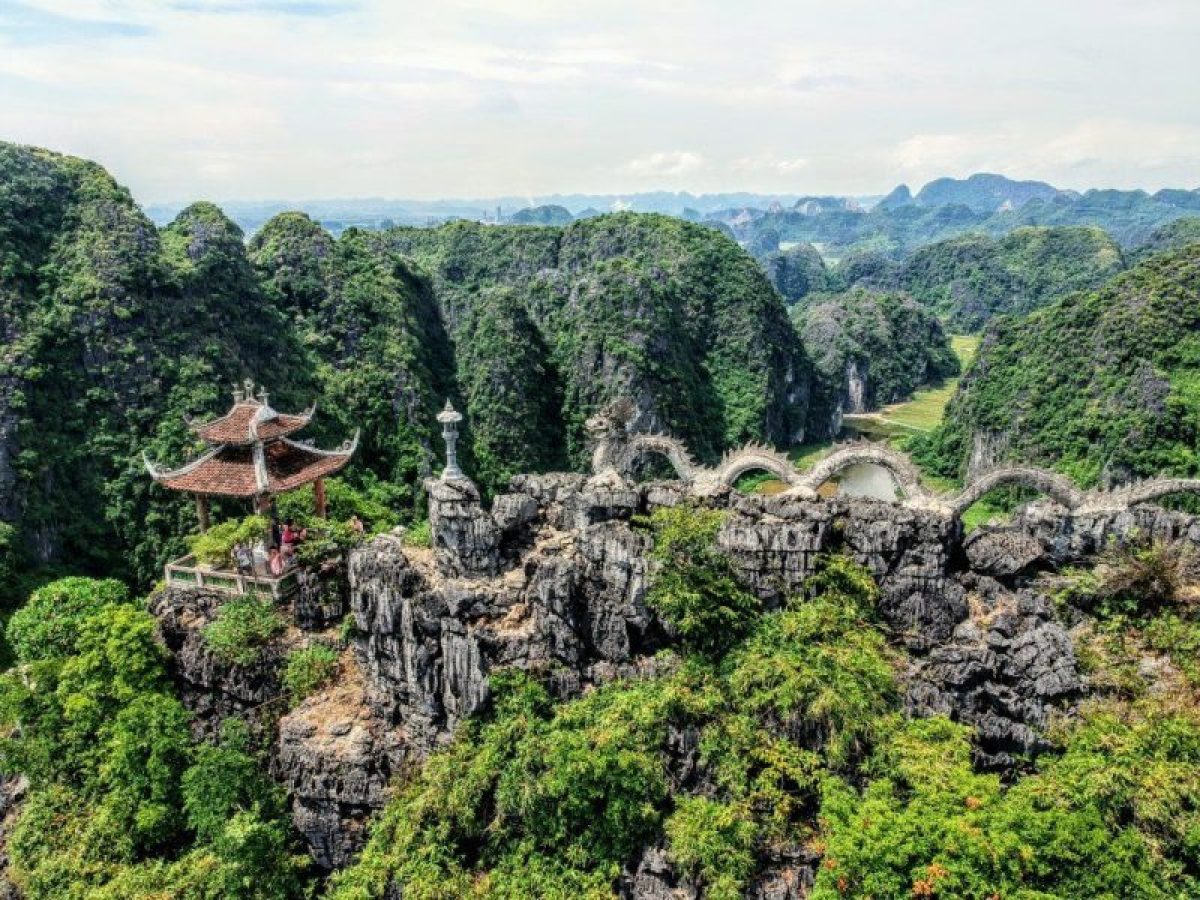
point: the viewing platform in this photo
(187, 571)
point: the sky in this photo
(306, 99)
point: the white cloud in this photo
(666, 164)
(304, 98)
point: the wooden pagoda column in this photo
(319, 498)
(202, 512)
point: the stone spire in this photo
(450, 417)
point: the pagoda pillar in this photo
(202, 512)
(319, 498)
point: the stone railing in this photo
(187, 571)
(617, 454)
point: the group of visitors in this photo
(275, 553)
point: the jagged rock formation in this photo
(553, 579)
(213, 688)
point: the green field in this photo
(924, 411)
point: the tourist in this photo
(356, 525)
(292, 535)
(243, 557)
(277, 562)
(275, 536)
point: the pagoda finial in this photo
(237, 394)
(247, 392)
(450, 417)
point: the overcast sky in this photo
(298, 99)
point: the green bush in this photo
(419, 534)
(215, 546)
(241, 627)
(693, 586)
(325, 541)
(1114, 816)
(47, 626)
(373, 502)
(821, 667)
(713, 842)
(9, 553)
(308, 669)
(225, 779)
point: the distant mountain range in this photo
(895, 224)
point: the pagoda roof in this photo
(249, 420)
(238, 470)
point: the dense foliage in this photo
(970, 279)
(950, 208)
(1102, 384)
(538, 800)
(89, 718)
(670, 314)
(796, 272)
(872, 349)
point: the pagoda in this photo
(250, 455)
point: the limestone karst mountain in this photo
(114, 331)
(1101, 383)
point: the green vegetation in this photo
(1171, 236)
(90, 720)
(639, 305)
(1112, 816)
(307, 670)
(117, 331)
(801, 744)
(215, 546)
(45, 628)
(1099, 383)
(538, 800)
(419, 534)
(949, 208)
(695, 589)
(873, 349)
(241, 628)
(796, 272)
(970, 279)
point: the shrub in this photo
(693, 585)
(714, 842)
(326, 540)
(372, 502)
(215, 546)
(226, 779)
(242, 626)
(820, 667)
(47, 626)
(308, 669)
(9, 552)
(419, 534)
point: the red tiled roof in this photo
(230, 471)
(234, 426)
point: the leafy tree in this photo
(241, 628)
(694, 587)
(47, 626)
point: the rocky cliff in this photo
(553, 580)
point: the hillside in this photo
(1178, 233)
(114, 331)
(984, 192)
(668, 313)
(872, 349)
(970, 279)
(796, 272)
(1100, 384)
(947, 208)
